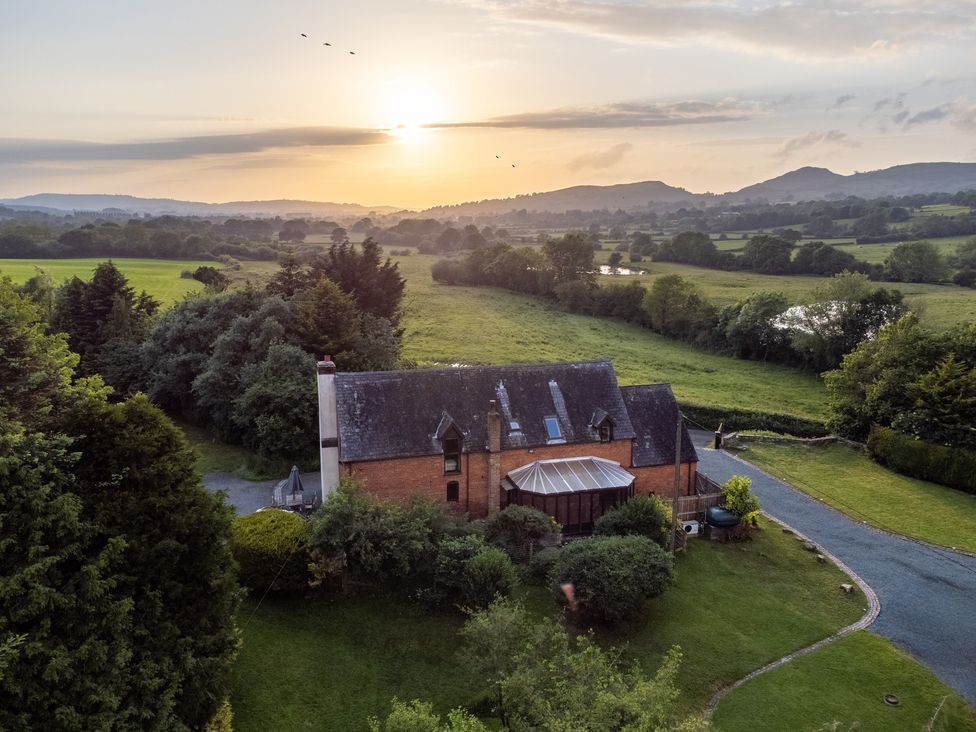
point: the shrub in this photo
(951, 466)
(744, 419)
(640, 516)
(739, 500)
(519, 530)
(612, 575)
(377, 541)
(543, 561)
(418, 716)
(470, 573)
(271, 551)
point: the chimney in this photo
(494, 458)
(328, 426)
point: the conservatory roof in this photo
(569, 475)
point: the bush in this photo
(640, 516)
(951, 466)
(470, 573)
(739, 500)
(418, 716)
(519, 530)
(543, 561)
(612, 575)
(271, 551)
(965, 278)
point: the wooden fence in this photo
(693, 507)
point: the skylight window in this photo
(552, 428)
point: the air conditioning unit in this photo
(691, 528)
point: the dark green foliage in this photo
(418, 716)
(944, 409)
(103, 318)
(519, 530)
(749, 327)
(965, 278)
(570, 258)
(377, 541)
(575, 295)
(374, 284)
(541, 679)
(817, 258)
(115, 563)
(471, 574)
(642, 515)
(270, 550)
(951, 466)
(691, 247)
(676, 307)
(613, 576)
(620, 301)
(211, 277)
(767, 254)
(916, 261)
(543, 561)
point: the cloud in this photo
(182, 148)
(841, 101)
(935, 114)
(802, 29)
(602, 159)
(622, 115)
(814, 139)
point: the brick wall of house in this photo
(399, 479)
(660, 479)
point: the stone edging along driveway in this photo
(873, 609)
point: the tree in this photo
(339, 235)
(540, 679)
(418, 716)
(874, 223)
(750, 327)
(290, 277)
(613, 576)
(615, 259)
(690, 247)
(944, 409)
(915, 261)
(374, 284)
(739, 500)
(519, 530)
(326, 320)
(767, 254)
(570, 258)
(676, 307)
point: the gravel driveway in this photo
(927, 594)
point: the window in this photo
(453, 491)
(452, 453)
(552, 428)
(606, 431)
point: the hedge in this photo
(745, 419)
(951, 466)
(271, 551)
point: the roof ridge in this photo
(463, 367)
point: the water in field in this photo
(606, 269)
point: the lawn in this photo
(877, 253)
(327, 665)
(214, 456)
(860, 669)
(446, 325)
(159, 277)
(851, 482)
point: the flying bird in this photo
(497, 157)
(303, 35)
(352, 53)
(513, 165)
(326, 44)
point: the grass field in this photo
(159, 277)
(445, 325)
(851, 482)
(327, 665)
(877, 253)
(941, 306)
(860, 670)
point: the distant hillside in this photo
(901, 180)
(159, 206)
(802, 184)
(622, 195)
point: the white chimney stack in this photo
(328, 427)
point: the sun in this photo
(409, 105)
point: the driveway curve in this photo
(927, 593)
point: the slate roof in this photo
(653, 413)
(569, 475)
(392, 414)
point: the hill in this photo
(159, 206)
(901, 180)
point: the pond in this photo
(606, 269)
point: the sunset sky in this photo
(224, 100)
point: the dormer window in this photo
(553, 430)
(606, 431)
(452, 452)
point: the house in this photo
(562, 437)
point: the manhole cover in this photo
(891, 700)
